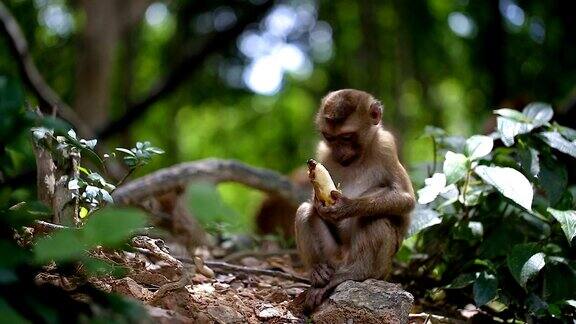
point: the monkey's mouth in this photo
(346, 161)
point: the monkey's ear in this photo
(375, 112)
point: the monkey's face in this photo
(344, 147)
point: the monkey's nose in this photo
(311, 163)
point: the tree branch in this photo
(183, 70)
(50, 102)
(210, 170)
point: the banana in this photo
(321, 181)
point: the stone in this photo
(371, 301)
(128, 287)
(224, 314)
(160, 315)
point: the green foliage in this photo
(506, 214)
(140, 155)
(90, 187)
(102, 229)
(21, 299)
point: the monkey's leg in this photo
(372, 248)
(316, 245)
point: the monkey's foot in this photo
(321, 275)
(314, 297)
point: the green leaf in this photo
(538, 113)
(478, 146)
(84, 150)
(567, 220)
(462, 281)
(553, 178)
(123, 150)
(529, 161)
(559, 282)
(61, 245)
(455, 167)
(106, 196)
(500, 241)
(555, 140)
(40, 133)
(421, 219)
(485, 288)
(509, 182)
(567, 132)
(72, 133)
(535, 304)
(112, 226)
(473, 194)
(433, 187)
(511, 114)
(73, 184)
(89, 143)
(524, 262)
(155, 150)
(509, 128)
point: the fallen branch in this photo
(218, 266)
(45, 227)
(50, 102)
(261, 254)
(209, 170)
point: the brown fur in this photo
(358, 237)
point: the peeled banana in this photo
(321, 181)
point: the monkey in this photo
(356, 237)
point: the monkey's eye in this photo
(328, 137)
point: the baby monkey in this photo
(356, 236)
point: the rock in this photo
(160, 315)
(224, 314)
(269, 312)
(128, 287)
(371, 301)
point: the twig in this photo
(47, 227)
(50, 102)
(218, 266)
(129, 173)
(434, 156)
(263, 254)
(438, 318)
(209, 170)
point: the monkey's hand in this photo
(342, 208)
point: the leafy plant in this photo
(21, 298)
(499, 221)
(92, 189)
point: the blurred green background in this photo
(242, 79)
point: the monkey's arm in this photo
(394, 199)
(388, 201)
